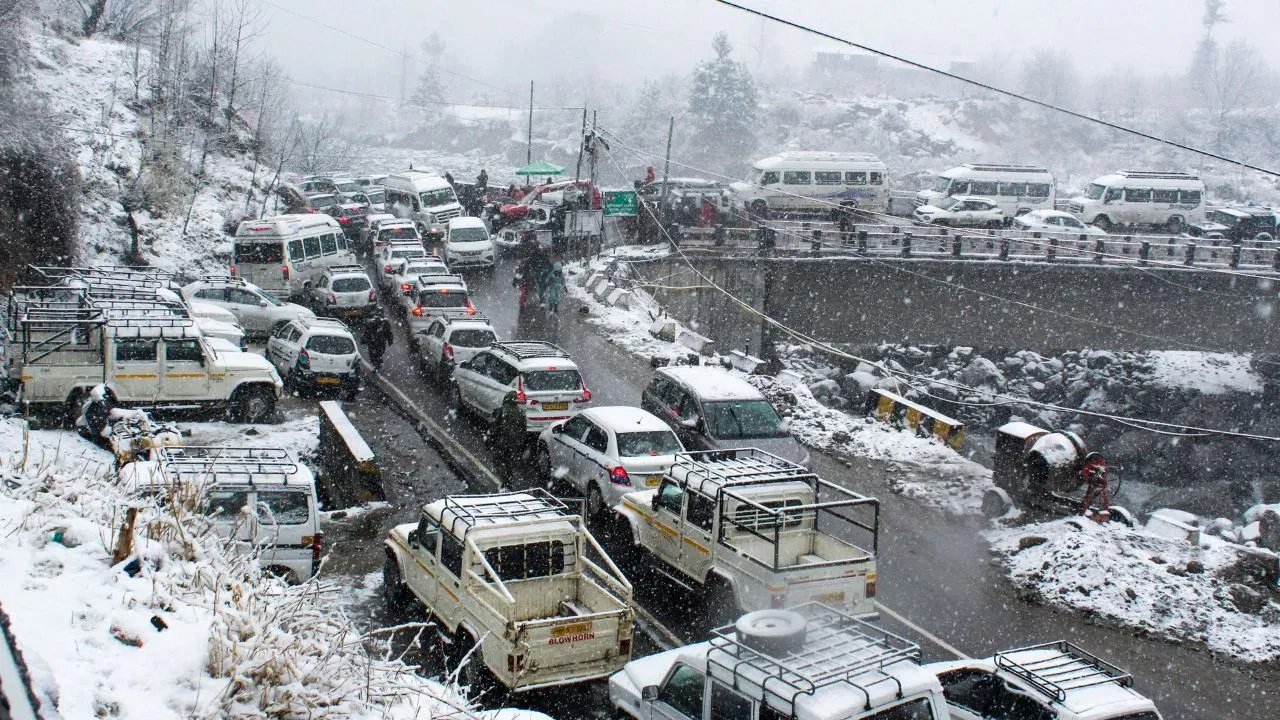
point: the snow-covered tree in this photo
(428, 95)
(723, 105)
(1050, 76)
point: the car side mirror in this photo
(653, 502)
(557, 429)
(413, 538)
(262, 303)
(692, 422)
(649, 693)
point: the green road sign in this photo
(619, 202)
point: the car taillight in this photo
(586, 396)
(471, 309)
(233, 270)
(521, 397)
(344, 220)
(447, 351)
(304, 358)
(284, 271)
(406, 287)
(619, 476)
(317, 544)
(417, 311)
(373, 294)
(386, 268)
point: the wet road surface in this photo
(934, 570)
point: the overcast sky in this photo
(506, 43)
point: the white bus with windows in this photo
(1170, 200)
(423, 197)
(814, 182)
(1015, 189)
(286, 254)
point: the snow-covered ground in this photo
(926, 469)
(189, 629)
(1208, 593)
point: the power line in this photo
(388, 98)
(1001, 91)
(389, 49)
(1005, 399)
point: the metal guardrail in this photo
(910, 240)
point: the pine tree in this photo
(429, 95)
(722, 109)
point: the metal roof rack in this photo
(451, 279)
(1157, 175)
(996, 167)
(322, 322)
(197, 462)
(739, 466)
(223, 278)
(526, 349)
(532, 504)
(1066, 667)
(838, 648)
(479, 316)
(346, 268)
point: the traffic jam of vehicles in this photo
(698, 487)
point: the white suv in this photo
(258, 311)
(344, 291)
(317, 353)
(404, 276)
(540, 377)
(450, 341)
(389, 255)
(467, 243)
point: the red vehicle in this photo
(550, 194)
(348, 216)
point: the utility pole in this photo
(577, 173)
(666, 170)
(595, 148)
(404, 73)
(528, 155)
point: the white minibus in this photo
(1015, 189)
(285, 254)
(814, 182)
(423, 197)
(1171, 200)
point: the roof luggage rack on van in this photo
(983, 167)
(472, 510)
(142, 322)
(1157, 175)
(836, 648)
(1067, 667)
(478, 317)
(206, 462)
(223, 278)
(333, 269)
(523, 350)
(736, 467)
(429, 280)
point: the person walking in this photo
(482, 180)
(378, 335)
(554, 284)
(509, 439)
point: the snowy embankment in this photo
(181, 628)
(97, 92)
(1211, 592)
(924, 468)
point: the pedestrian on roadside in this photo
(509, 439)
(378, 335)
(482, 180)
(554, 284)
(449, 179)
(650, 174)
(707, 218)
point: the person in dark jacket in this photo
(378, 336)
(509, 439)
(482, 180)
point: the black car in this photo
(1236, 224)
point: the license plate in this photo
(328, 380)
(555, 406)
(831, 598)
(572, 629)
(652, 481)
(352, 311)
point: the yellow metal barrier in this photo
(895, 409)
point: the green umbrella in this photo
(540, 168)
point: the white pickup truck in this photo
(60, 346)
(514, 574)
(754, 531)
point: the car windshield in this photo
(442, 298)
(376, 197)
(426, 269)
(259, 253)
(948, 203)
(655, 442)
(323, 201)
(551, 380)
(443, 196)
(1095, 191)
(350, 284)
(473, 338)
(407, 253)
(466, 235)
(400, 233)
(941, 184)
(740, 419)
(331, 345)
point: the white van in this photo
(423, 197)
(286, 254)
(1016, 189)
(815, 181)
(1171, 200)
(260, 496)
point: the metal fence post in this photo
(1099, 246)
(816, 245)
(1144, 254)
(1191, 254)
(1052, 251)
(1237, 251)
(862, 245)
(674, 231)
(762, 236)
(906, 245)
(846, 236)
(719, 235)
(1004, 248)
(956, 242)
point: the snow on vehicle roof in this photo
(798, 158)
(713, 383)
(284, 225)
(624, 418)
(457, 513)
(1113, 696)
(466, 222)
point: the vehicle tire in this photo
(722, 603)
(254, 404)
(394, 593)
(597, 510)
(760, 209)
(1104, 223)
(473, 672)
(1121, 515)
(73, 409)
(774, 632)
(995, 503)
(1175, 225)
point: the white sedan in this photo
(606, 452)
(962, 211)
(1054, 221)
(257, 311)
